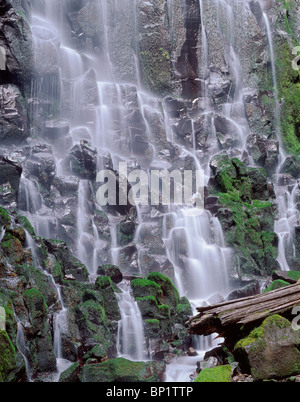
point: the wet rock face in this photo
(14, 127)
(270, 351)
(10, 174)
(16, 39)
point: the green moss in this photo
(289, 90)
(278, 284)
(248, 222)
(164, 311)
(258, 333)
(4, 217)
(145, 287)
(170, 294)
(295, 275)
(152, 322)
(216, 374)
(26, 225)
(121, 370)
(13, 250)
(7, 357)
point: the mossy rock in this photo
(38, 310)
(145, 287)
(148, 306)
(13, 250)
(36, 279)
(5, 219)
(71, 374)
(277, 284)
(270, 351)
(215, 374)
(183, 311)
(170, 295)
(9, 324)
(122, 370)
(105, 286)
(24, 222)
(247, 217)
(8, 358)
(93, 324)
(112, 271)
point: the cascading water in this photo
(288, 213)
(111, 114)
(131, 341)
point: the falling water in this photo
(131, 342)
(21, 344)
(194, 244)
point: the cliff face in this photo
(172, 84)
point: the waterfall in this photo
(21, 344)
(95, 95)
(131, 342)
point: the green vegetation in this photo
(278, 284)
(7, 357)
(246, 214)
(215, 374)
(289, 90)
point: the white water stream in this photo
(194, 244)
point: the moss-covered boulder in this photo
(291, 277)
(71, 374)
(146, 287)
(70, 264)
(122, 370)
(110, 303)
(163, 311)
(24, 222)
(4, 217)
(8, 358)
(170, 295)
(247, 214)
(215, 374)
(13, 250)
(40, 340)
(277, 284)
(93, 325)
(270, 351)
(37, 308)
(37, 279)
(112, 271)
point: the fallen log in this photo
(232, 318)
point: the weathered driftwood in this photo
(229, 318)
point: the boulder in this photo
(10, 175)
(40, 344)
(16, 38)
(110, 303)
(291, 166)
(14, 124)
(249, 290)
(290, 277)
(112, 271)
(8, 358)
(122, 370)
(70, 264)
(270, 351)
(83, 161)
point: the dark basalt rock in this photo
(14, 124)
(10, 175)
